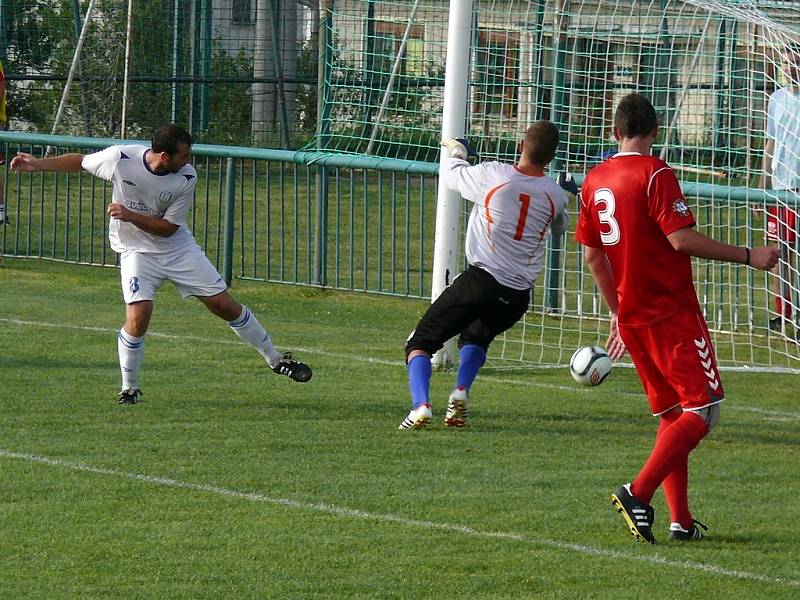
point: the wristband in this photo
(747, 256)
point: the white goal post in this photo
(446, 251)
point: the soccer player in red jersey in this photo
(639, 239)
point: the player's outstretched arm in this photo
(459, 148)
(457, 173)
(66, 163)
(694, 243)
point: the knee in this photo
(412, 354)
(224, 306)
(478, 333)
(137, 318)
(710, 414)
(417, 345)
(482, 343)
(135, 327)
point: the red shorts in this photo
(781, 224)
(676, 362)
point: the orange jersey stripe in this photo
(552, 216)
(489, 195)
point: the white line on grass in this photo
(322, 507)
(769, 413)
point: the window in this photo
(387, 41)
(497, 68)
(242, 12)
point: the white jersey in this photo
(139, 189)
(783, 126)
(511, 216)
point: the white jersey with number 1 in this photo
(139, 189)
(509, 222)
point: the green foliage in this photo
(42, 40)
(233, 100)
(35, 33)
(308, 68)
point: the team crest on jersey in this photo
(679, 207)
(164, 198)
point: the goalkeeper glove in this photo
(460, 148)
(569, 186)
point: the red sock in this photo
(676, 484)
(672, 449)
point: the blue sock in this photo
(419, 380)
(471, 359)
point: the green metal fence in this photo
(366, 224)
(334, 220)
(339, 221)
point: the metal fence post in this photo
(4, 31)
(559, 117)
(205, 63)
(177, 63)
(277, 60)
(323, 125)
(230, 192)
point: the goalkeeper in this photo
(513, 207)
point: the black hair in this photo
(168, 137)
(635, 116)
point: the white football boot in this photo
(419, 418)
(457, 413)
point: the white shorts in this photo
(142, 273)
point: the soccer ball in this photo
(590, 365)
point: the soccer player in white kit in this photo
(153, 189)
(514, 206)
(781, 164)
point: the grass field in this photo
(230, 482)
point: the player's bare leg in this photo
(130, 346)
(246, 326)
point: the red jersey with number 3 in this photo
(629, 204)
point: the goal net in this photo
(710, 67)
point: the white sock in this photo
(250, 330)
(131, 351)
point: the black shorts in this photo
(476, 306)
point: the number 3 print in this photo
(606, 203)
